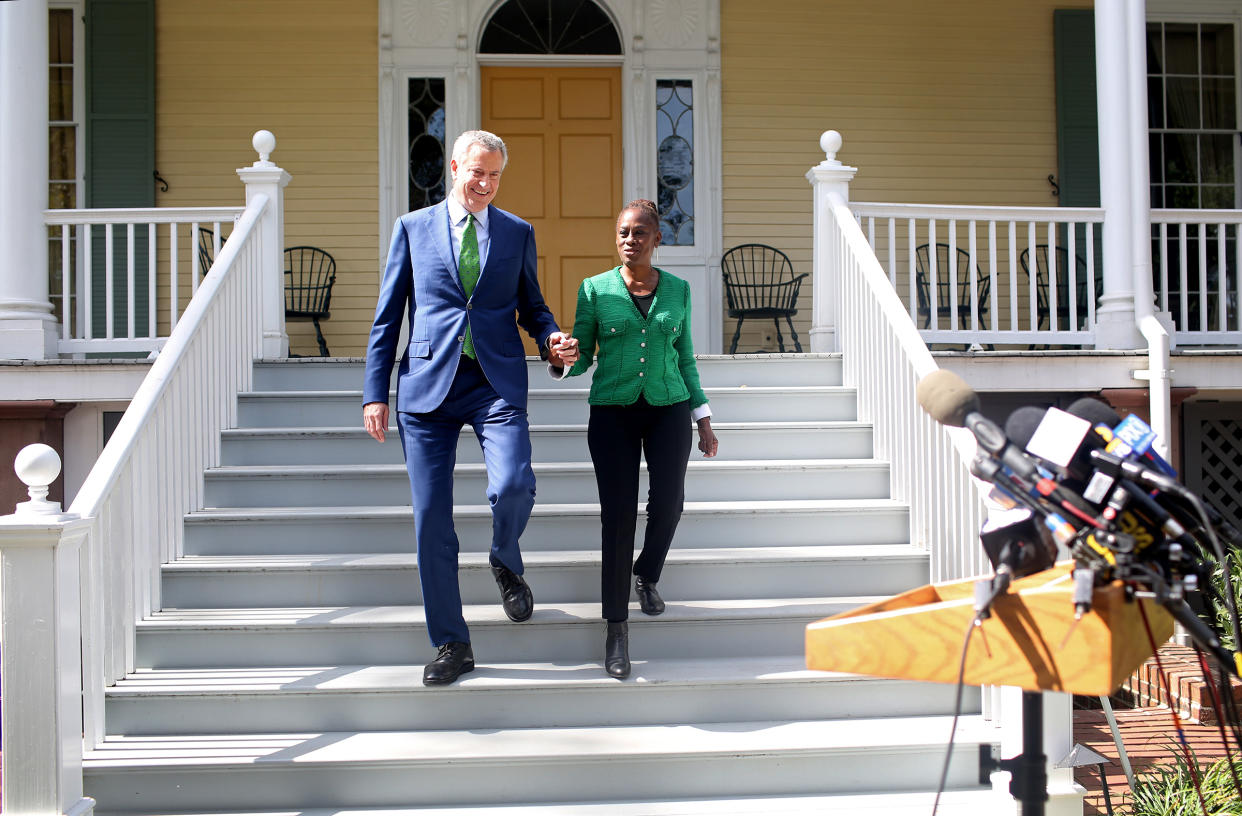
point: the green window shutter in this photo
(1078, 147)
(120, 142)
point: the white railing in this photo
(1014, 264)
(1197, 273)
(884, 358)
(126, 274)
(1011, 265)
(150, 473)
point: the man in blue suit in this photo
(460, 270)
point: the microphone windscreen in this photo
(1021, 425)
(1094, 411)
(947, 398)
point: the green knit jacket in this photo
(652, 357)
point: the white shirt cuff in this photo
(703, 410)
(558, 373)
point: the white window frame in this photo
(78, 9)
(1211, 11)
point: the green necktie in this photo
(468, 269)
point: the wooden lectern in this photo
(1031, 639)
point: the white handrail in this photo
(884, 357)
(150, 473)
(142, 215)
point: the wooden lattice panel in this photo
(1213, 455)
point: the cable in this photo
(1177, 721)
(957, 712)
(1219, 551)
(1220, 716)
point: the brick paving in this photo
(1149, 738)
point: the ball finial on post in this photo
(37, 466)
(264, 143)
(830, 143)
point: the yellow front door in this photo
(563, 130)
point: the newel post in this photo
(265, 177)
(41, 663)
(827, 177)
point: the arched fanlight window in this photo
(550, 27)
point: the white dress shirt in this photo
(457, 225)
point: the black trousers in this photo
(618, 435)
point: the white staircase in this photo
(284, 672)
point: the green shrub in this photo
(1219, 610)
(1168, 790)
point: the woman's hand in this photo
(707, 438)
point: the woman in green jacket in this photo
(644, 396)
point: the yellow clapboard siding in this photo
(950, 102)
(306, 71)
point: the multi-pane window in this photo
(675, 160)
(64, 89)
(426, 157)
(550, 27)
(1193, 121)
(1192, 114)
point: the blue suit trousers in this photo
(430, 444)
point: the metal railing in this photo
(150, 473)
(124, 275)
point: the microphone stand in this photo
(1028, 770)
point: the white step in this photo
(350, 530)
(386, 698)
(217, 638)
(717, 480)
(282, 409)
(346, 374)
(283, 673)
(572, 576)
(350, 445)
(976, 802)
(501, 766)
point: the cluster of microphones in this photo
(1087, 483)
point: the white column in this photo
(266, 178)
(829, 176)
(27, 327)
(1123, 169)
(41, 665)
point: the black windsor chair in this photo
(760, 282)
(309, 275)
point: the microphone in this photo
(1125, 506)
(1131, 432)
(950, 401)
(1118, 466)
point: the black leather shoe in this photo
(515, 595)
(617, 650)
(648, 599)
(452, 661)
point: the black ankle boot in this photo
(617, 650)
(649, 599)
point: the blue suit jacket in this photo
(421, 279)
